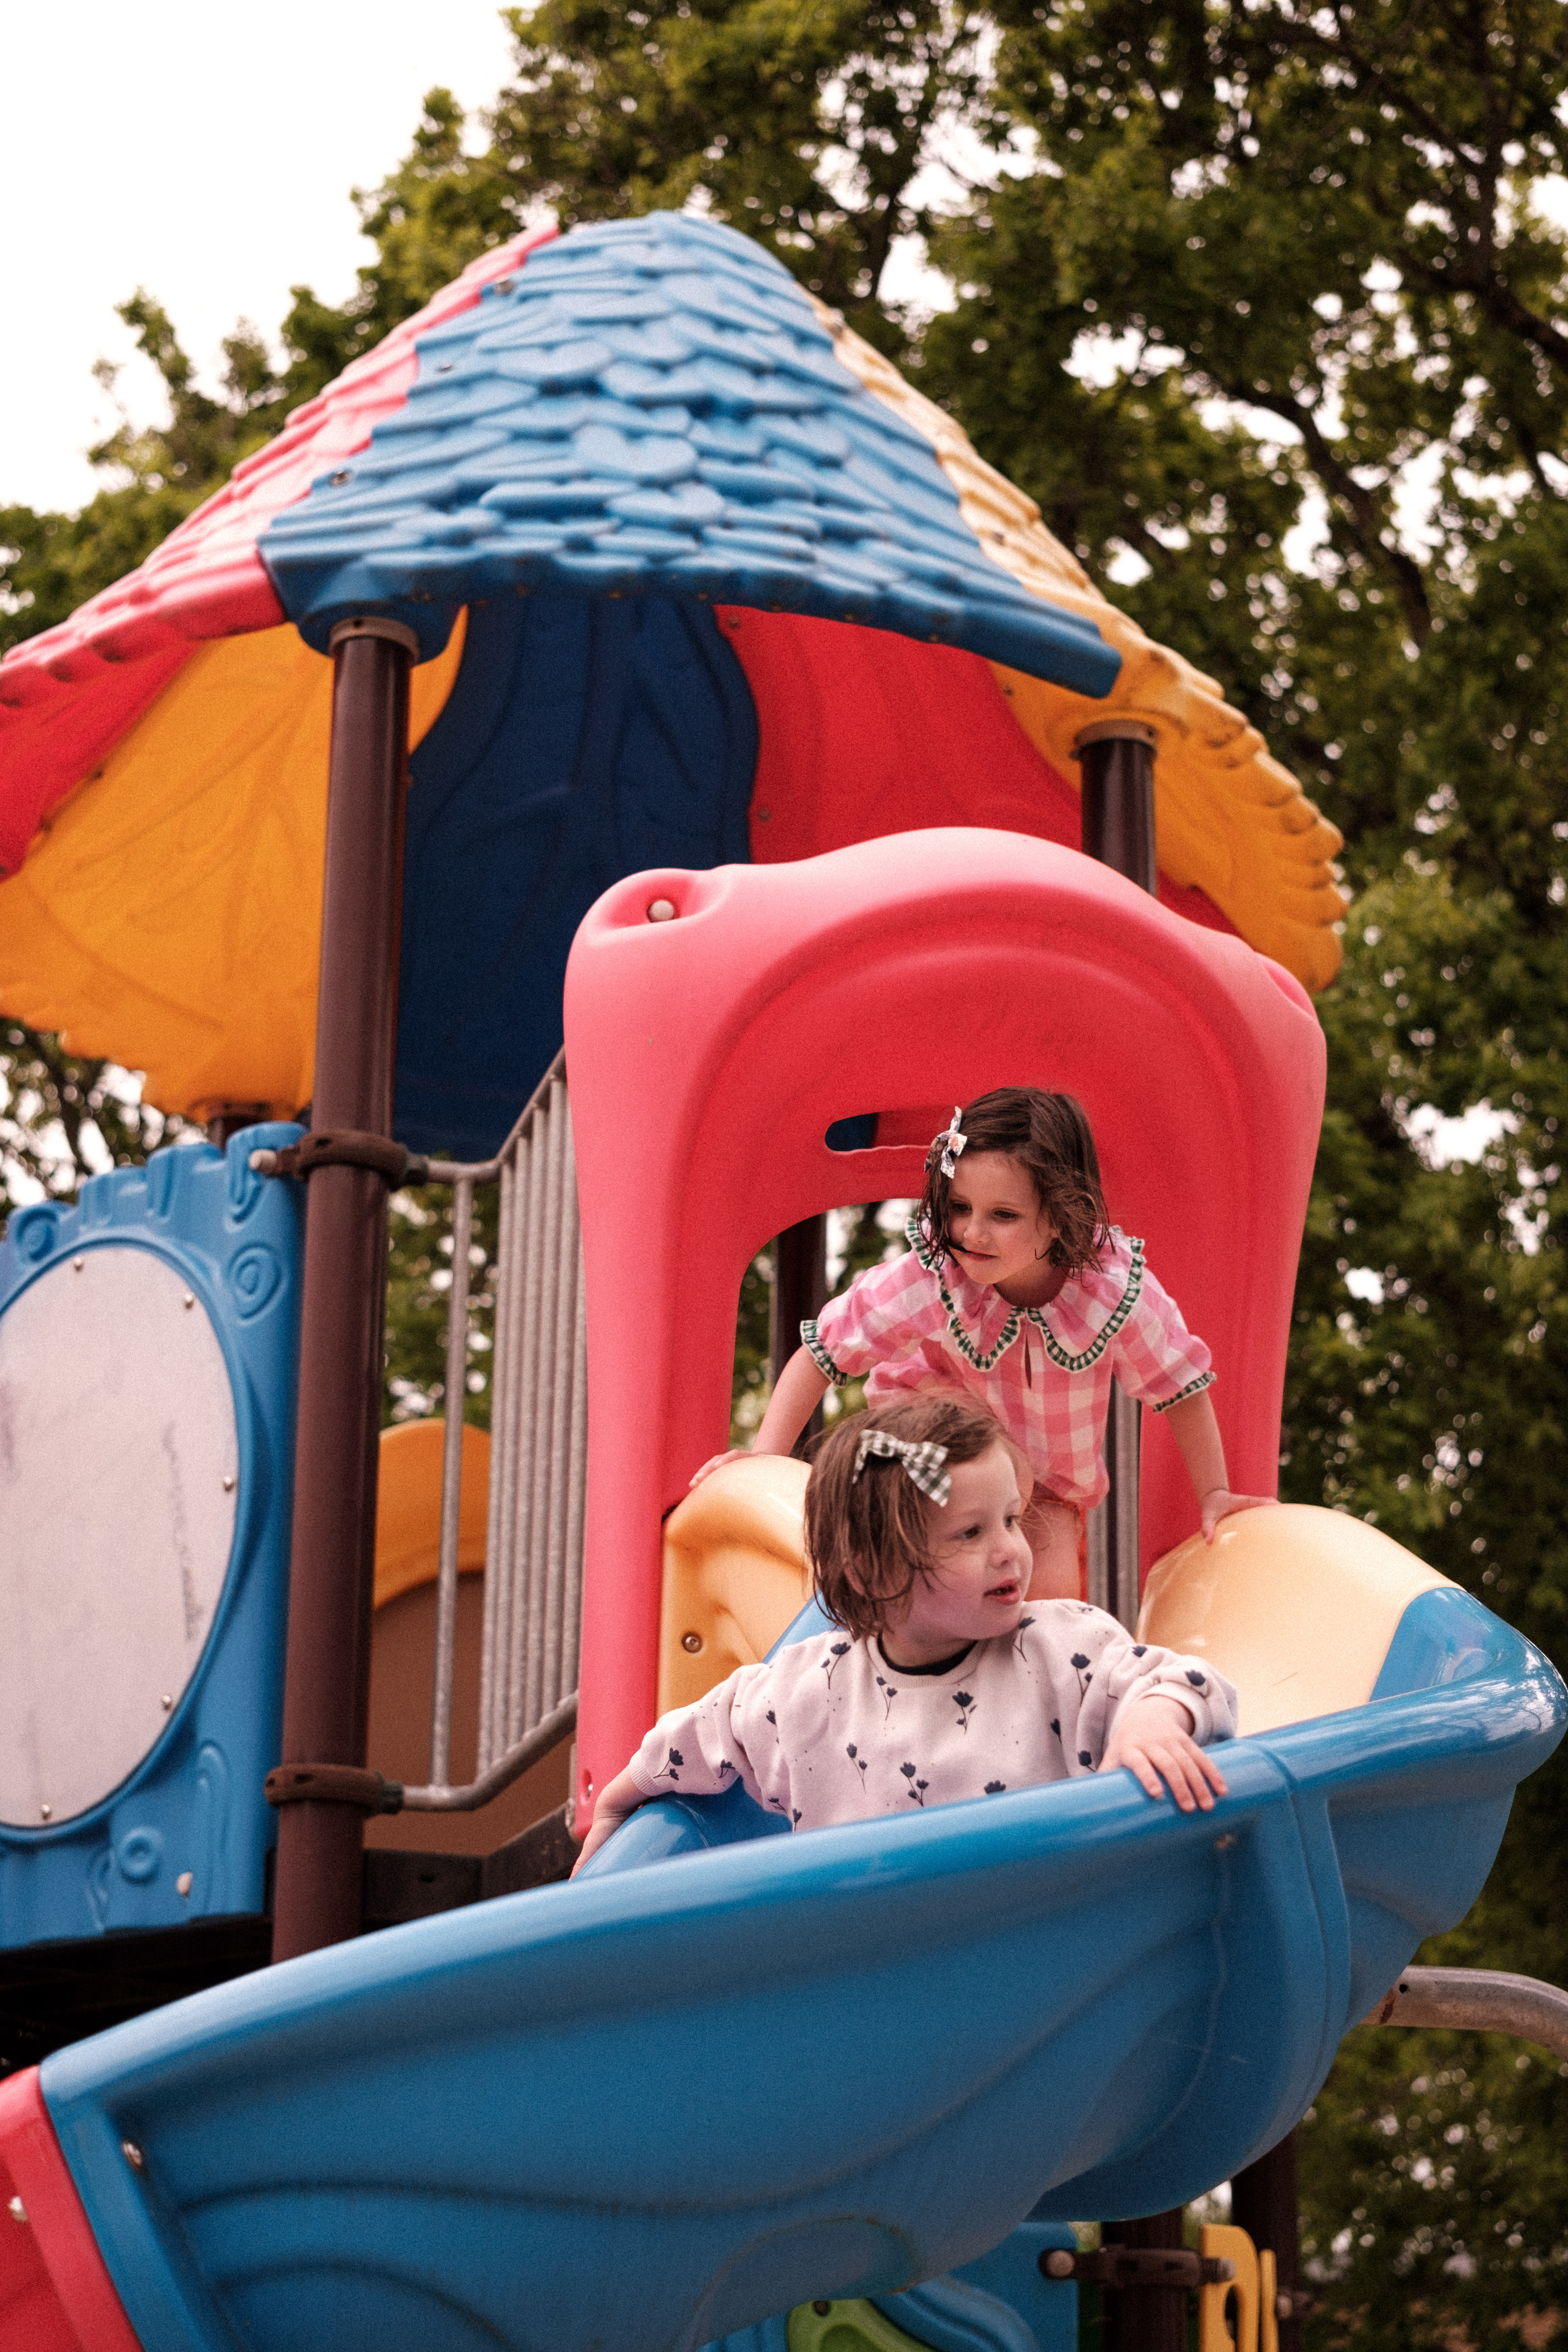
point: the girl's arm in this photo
(618, 1800)
(1193, 1425)
(797, 1392)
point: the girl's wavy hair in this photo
(1049, 1134)
(869, 1537)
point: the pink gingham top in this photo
(1044, 1371)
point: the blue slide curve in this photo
(727, 2070)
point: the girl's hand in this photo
(618, 1800)
(1218, 1503)
(717, 1462)
(1153, 1739)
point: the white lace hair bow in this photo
(953, 1140)
(922, 1460)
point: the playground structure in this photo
(586, 2113)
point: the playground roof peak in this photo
(653, 405)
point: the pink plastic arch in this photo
(708, 1054)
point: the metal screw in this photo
(184, 1883)
(17, 2209)
(822, 2309)
(47, 1813)
(765, 816)
(344, 474)
(168, 1701)
(692, 1642)
(444, 367)
(189, 1299)
(661, 910)
(228, 1482)
(1224, 1845)
(133, 2156)
(77, 1265)
(1057, 2262)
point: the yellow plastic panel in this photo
(845, 2326)
(408, 1506)
(1231, 822)
(169, 915)
(734, 1573)
(1220, 2239)
(1297, 1605)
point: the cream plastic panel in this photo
(119, 1467)
(734, 1573)
(1297, 1605)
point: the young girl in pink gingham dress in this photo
(1018, 1291)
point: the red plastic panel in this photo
(710, 1054)
(55, 2292)
(864, 733)
(67, 697)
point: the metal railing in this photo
(539, 1453)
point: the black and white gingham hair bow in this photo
(951, 1143)
(922, 1460)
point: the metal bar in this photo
(577, 1486)
(1479, 2000)
(1122, 1431)
(557, 1725)
(500, 1380)
(522, 1533)
(534, 1565)
(327, 1673)
(451, 1482)
(552, 1559)
(1117, 756)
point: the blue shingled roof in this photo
(649, 406)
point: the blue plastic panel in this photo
(656, 2106)
(195, 1802)
(582, 741)
(650, 406)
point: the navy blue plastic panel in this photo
(195, 1802)
(656, 2106)
(582, 741)
(649, 406)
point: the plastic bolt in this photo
(1057, 2262)
(168, 1701)
(189, 1299)
(228, 1482)
(692, 1642)
(47, 1813)
(184, 1883)
(822, 2309)
(133, 2156)
(77, 1265)
(661, 910)
(17, 2209)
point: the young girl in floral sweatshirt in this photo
(942, 1681)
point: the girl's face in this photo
(1000, 1232)
(982, 1567)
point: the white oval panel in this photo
(119, 1468)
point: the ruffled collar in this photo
(974, 1308)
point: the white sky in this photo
(206, 154)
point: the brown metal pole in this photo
(800, 1293)
(1117, 758)
(327, 1676)
(1263, 2203)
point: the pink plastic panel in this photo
(864, 733)
(54, 2294)
(67, 697)
(710, 1054)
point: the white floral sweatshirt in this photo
(828, 1731)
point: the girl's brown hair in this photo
(869, 1537)
(1049, 1136)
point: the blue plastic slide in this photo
(727, 2070)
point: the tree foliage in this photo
(1260, 303)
